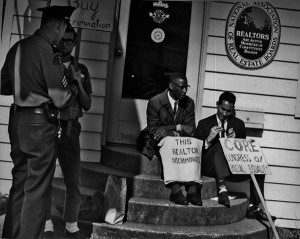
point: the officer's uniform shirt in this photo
(34, 74)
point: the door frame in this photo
(195, 70)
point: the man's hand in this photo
(76, 74)
(71, 112)
(231, 133)
(161, 133)
(214, 131)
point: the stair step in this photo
(94, 175)
(165, 212)
(129, 159)
(244, 229)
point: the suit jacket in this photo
(204, 126)
(160, 115)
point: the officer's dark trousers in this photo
(33, 151)
(69, 161)
(214, 164)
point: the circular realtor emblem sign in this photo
(158, 35)
(252, 34)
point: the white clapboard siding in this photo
(4, 114)
(269, 93)
(282, 157)
(97, 69)
(246, 83)
(99, 86)
(5, 185)
(284, 175)
(284, 210)
(5, 169)
(280, 192)
(97, 105)
(91, 122)
(5, 152)
(267, 104)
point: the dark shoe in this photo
(254, 212)
(49, 234)
(178, 198)
(77, 235)
(224, 199)
(194, 198)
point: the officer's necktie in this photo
(223, 131)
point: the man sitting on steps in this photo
(172, 113)
(214, 164)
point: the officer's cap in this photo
(58, 12)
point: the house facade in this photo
(132, 49)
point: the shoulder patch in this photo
(57, 59)
(64, 81)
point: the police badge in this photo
(57, 59)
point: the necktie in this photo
(175, 108)
(223, 131)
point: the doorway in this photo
(155, 38)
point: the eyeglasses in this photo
(182, 87)
(67, 41)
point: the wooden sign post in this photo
(245, 157)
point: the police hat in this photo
(58, 12)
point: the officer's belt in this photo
(35, 110)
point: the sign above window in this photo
(252, 34)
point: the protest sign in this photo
(91, 14)
(244, 156)
(181, 158)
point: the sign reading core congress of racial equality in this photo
(91, 14)
(244, 156)
(252, 34)
(181, 158)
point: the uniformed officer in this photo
(69, 146)
(33, 74)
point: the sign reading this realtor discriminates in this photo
(91, 14)
(181, 158)
(244, 156)
(252, 34)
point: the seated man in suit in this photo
(172, 113)
(214, 164)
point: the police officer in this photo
(33, 73)
(69, 146)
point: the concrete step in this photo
(128, 159)
(244, 229)
(165, 212)
(94, 175)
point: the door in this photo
(154, 39)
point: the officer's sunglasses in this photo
(67, 41)
(182, 87)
